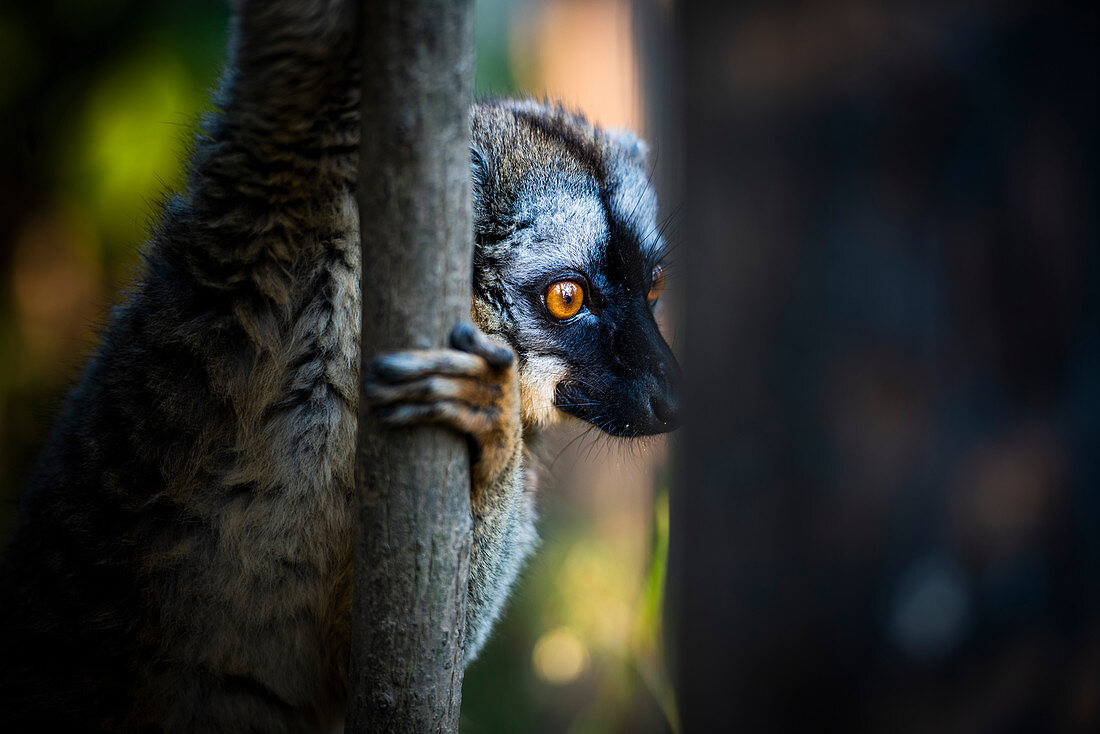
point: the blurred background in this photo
(886, 516)
(884, 510)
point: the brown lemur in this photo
(182, 561)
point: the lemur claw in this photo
(472, 388)
(473, 352)
(468, 338)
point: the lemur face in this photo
(569, 256)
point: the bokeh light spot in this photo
(559, 656)
(137, 126)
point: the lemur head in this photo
(567, 267)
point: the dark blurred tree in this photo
(886, 517)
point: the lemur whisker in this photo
(641, 194)
(660, 230)
(589, 429)
(579, 381)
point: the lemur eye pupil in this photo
(657, 278)
(564, 299)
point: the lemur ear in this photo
(630, 145)
(479, 169)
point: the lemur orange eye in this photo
(658, 286)
(564, 299)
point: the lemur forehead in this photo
(567, 221)
(572, 181)
(569, 216)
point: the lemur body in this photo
(182, 561)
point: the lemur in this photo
(182, 561)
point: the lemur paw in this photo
(472, 388)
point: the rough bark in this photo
(413, 541)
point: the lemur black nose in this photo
(664, 394)
(666, 409)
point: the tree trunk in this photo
(413, 542)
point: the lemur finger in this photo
(424, 390)
(469, 338)
(411, 365)
(453, 414)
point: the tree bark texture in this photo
(413, 542)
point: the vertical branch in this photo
(412, 546)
